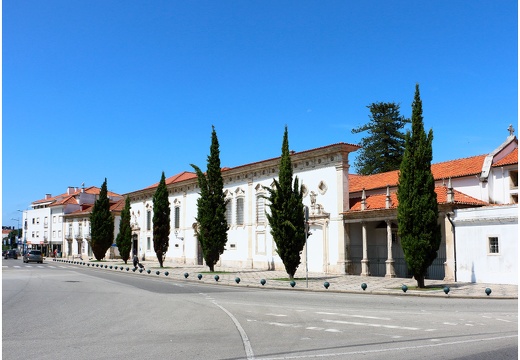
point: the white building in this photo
(47, 228)
(353, 218)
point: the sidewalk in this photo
(277, 279)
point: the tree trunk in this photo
(420, 281)
(212, 268)
(160, 258)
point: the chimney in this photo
(70, 190)
(388, 201)
(47, 196)
(449, 194)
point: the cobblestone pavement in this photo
(277, 279)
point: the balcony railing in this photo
(69, 236)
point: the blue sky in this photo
(128, 89)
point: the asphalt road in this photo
(60, 311)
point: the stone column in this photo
(348, 261)
(390, 271)
(365, 271)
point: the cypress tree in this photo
(124, 237)
(417, 212)
(286, 218)
(101, 224)
(161, 220)
(382, 150)
(211, 207)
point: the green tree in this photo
(101, 224)
(124, 237)
(287, 218)
(211, 207)
(161, 221)
(417, 211)
(382, 150)
(12, 238)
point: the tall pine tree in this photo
(211, 207)
(287, 218)
(101, 224)
(417, 211)
(161, 220)
(124, 237)
(382, 150)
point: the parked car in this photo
(34, 256)
(11, 254)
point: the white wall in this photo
(473, 228)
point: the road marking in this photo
(404, 348)
(280, 315)
(371, 324)
(356, 316)
(503, 320)
(283, 324)
(245, 340)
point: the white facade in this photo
(324, 174)
(48, 225)
(487, 244)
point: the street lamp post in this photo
(24, 244)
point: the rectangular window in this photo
(33, 221)
(229, 218)
(148, 243)
(54, 219)
(53, 233)
(240, 211)
(177, 217)
(493, 245)
(59, 234)
(148, 220)
(260, 210)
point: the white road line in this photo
(245, 340)
(371, 324)
(356, 316)
(404, 348)
(280, 315)
(503, 320)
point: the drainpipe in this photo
(454, 245)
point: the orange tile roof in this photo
(185, 175)
(444, 170)
(63, 198)
(87, 208)
(378, 202)
(509, 159)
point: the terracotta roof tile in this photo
(448, 169)
(510, 159)
(185, 175)
(378, 202)
(60, 199)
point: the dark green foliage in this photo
(417, 212)
(161, 220)
(382, 150)
(12, 238)
(211, 207)
(124, 237)
(101, 224)
(286, 218)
